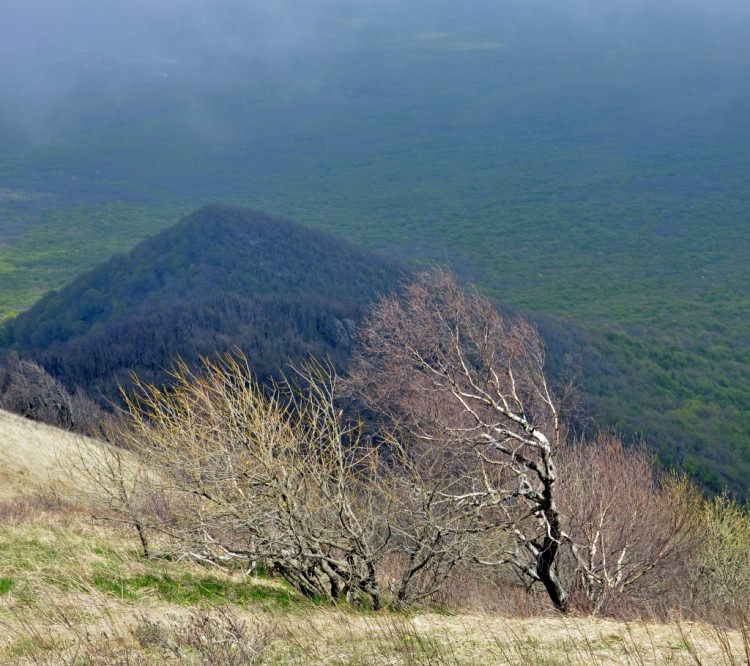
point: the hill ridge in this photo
(222, 277)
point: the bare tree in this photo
(281, 477)
(631, 529)
(115, 485)
(275, 477)
(28, 390)
(455, 376)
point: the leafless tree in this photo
(29, 390)
(114, 484)
(26, 389)
(275, 477)
(631, 529)
(279, 476)
(454, 376)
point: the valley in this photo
(596, 173)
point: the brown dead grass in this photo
(53, 614)
(333, 638)
(31, 454)
(327, 636)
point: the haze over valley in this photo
(588, 162)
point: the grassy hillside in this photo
(74, 590)
(31, 454)
(598, 177)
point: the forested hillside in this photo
(584, 160)
(222, 278)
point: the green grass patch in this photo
(64, 560)
(190, 589)
(6, 585)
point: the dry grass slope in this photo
(31, 454)
(77, 592)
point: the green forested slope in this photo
(597, 172)
(220, 279)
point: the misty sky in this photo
(33, 31)
(49, 49)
